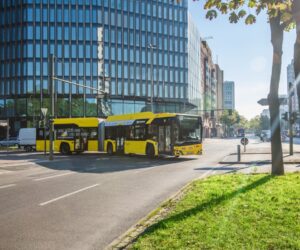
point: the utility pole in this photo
(151, 46)
(290, 94)
(51, 133)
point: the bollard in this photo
(238, 153)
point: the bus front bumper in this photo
(188, 150)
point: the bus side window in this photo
(139, 132)
(152, 132)
(93, 134)
(110, 133)
(129, 135)
(40, 134)
(176, 132)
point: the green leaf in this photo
(209, 4)
(252, 3)
(223, 7)
(251, 19)
(236, 4)
(290, 26)
(242, 13)
(233, 17)
(211, 14)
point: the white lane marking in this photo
(67, 195)
(53, 176)
(144, 170)
(7, 186)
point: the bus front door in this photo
(120, 139)
(80, 141)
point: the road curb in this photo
(254, 162)
(130, 236)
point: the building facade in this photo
(208, 84)
(195, 91)
(220, 82)
(135, 51)
(265, 112)
(291, 80)
(229, 95)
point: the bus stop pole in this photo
(238, 153)
(51, 74)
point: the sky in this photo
(244, 52)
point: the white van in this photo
(27, 138)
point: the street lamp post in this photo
(51, 135)
(151, 46)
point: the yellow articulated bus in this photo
(143, 133)
(152, 134)
(73, 135)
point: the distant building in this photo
(229, 95)
(220, 82)
(265, 112)
(291, 79)
(283, 109)
(208, 84)
(195, 91)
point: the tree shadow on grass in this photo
(207, 205)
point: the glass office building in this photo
(195, 91)
(131, 49)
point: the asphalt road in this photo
(87, 201)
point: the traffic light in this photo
(285, 116)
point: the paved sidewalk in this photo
(257, 159)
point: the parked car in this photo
(10, 142)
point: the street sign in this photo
(244, 141)
(44, 111)
(265, 102)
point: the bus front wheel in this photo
(150, 151)
(110, 149)
(65, 148)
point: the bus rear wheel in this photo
(110, 149)
(150, 151)
(65, 148)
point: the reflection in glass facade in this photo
(31, 30)
(195, 91)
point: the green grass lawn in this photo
(232, 211)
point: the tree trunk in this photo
(296, 17)
(276, 147)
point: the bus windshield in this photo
(189, 128)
